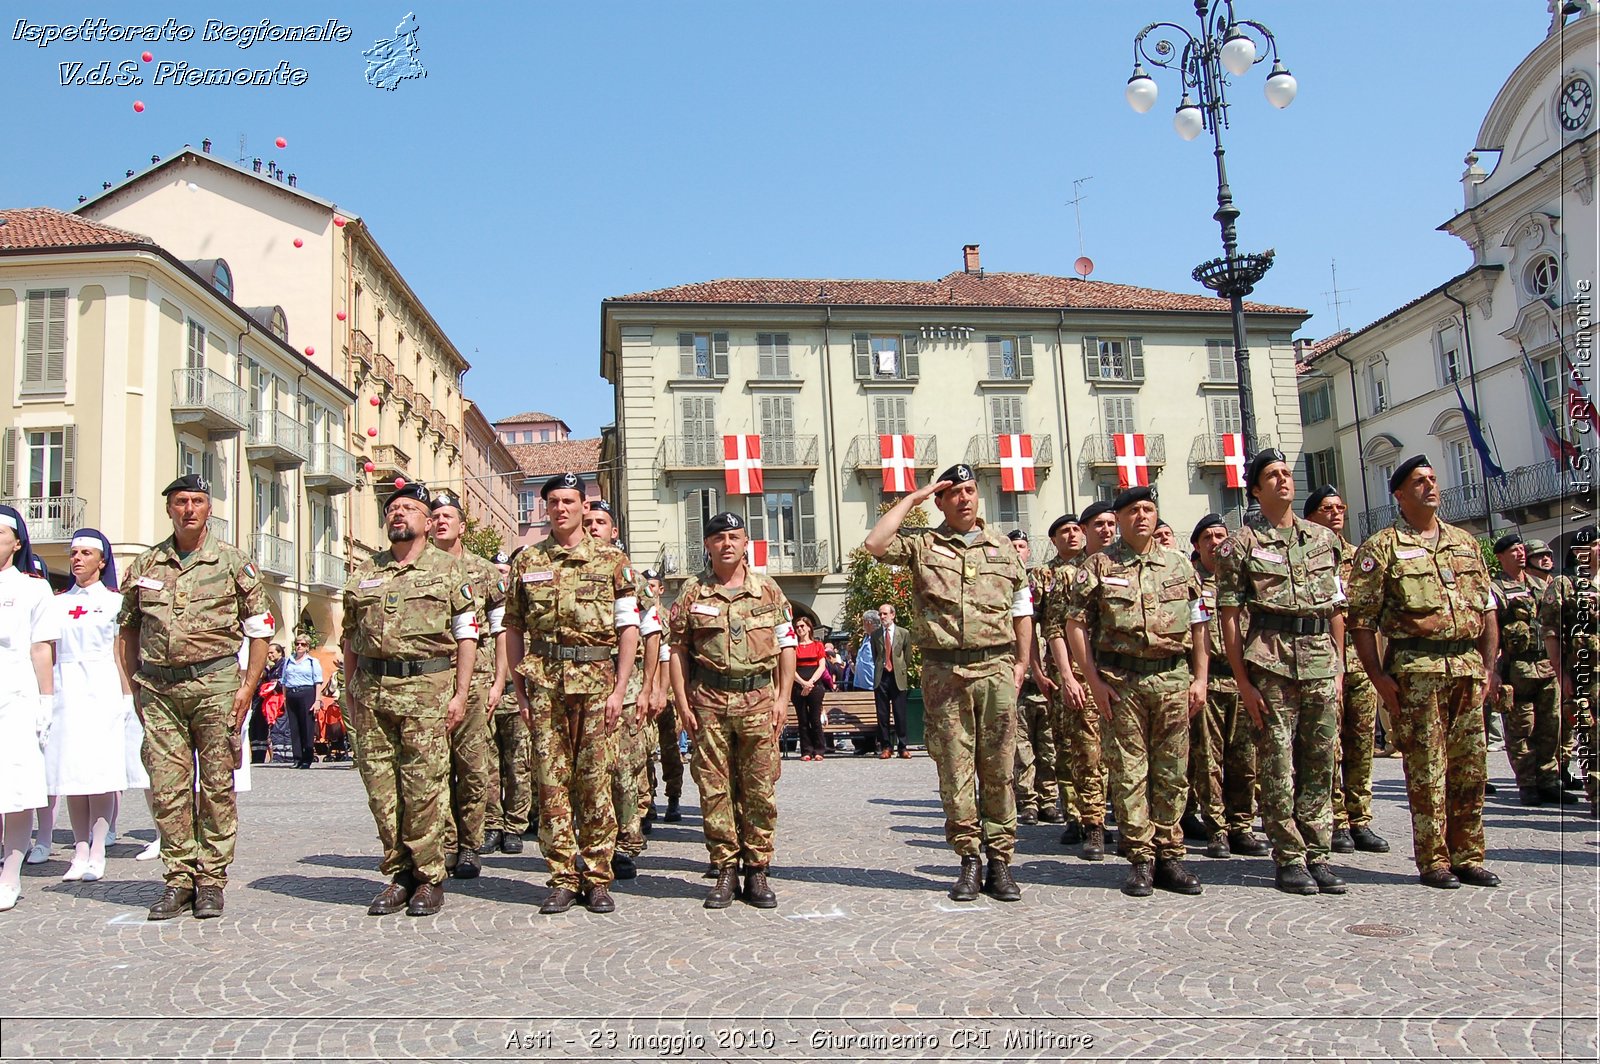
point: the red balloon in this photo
(299, 243)
(338, 221)
(146, 56)
(310, 351)
(281, 142)
(374, 400)
(138, 106)
(369, 467)
(340, 315)
(399, 482)
(372, 432)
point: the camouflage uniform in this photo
(1050, 584)
(510, 799)
(631, 749)
(1222, 741)
(1036, 786)
(1358, 721)
(1079, 729)
(1429, 598)
(1530, 694)
(730, 640)
(189, 612)
(963, 597)
(1137, 610)
(564, 599)
(402, 613)
(470, 754)
(1568, 610)
(1289, 580)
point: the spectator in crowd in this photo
(260, 726)
(302, 677)
(838, 671)
(808, 688)
(863, 677)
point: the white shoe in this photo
(9, 896)
(77, 870)
(38, 853)
(94, 870)
(150, 852)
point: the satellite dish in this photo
(1084, 266)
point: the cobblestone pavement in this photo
(865, 958)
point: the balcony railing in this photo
(332, 468)
(221, 528)
(404, 390)
(690, 452)
(272, 554)
(436, 422)
(50, 518)
(1538, 484)
(1100, 450)
(388, 462)
(1463, 503)
(324, 569)
(278, 438)
(798, 558)
(1207, 450)
(206, 398)
(985, 451)
(424, 407)
(788, 452)
(361, 345)
(452, 436)
(864, 457)
(384, 368)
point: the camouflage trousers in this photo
(510, 785)
(971, 732)
(1222, 762)
(1531, 713)
(1352, 778)
(1065, 787)
(188, 731)
(1295, 749)
(735, 766)
(1085, 760)
(470, 756)
(625, 782)
(671, 756)
(1148, 757)
(1035, 766)
(403, 755)
(575, 753)
(1439, 731)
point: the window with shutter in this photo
(8, 461)
(772, 355)
(1135, 358)
(1225, 414)
(1091, 358)
(1025, 358)
(997, 356)
(69, 460)
(44, 340)
(698, 508)
(806, 504)
(911, 356)
(1005, 414)
(1011, 510)
(46, 462)
(755, 515)
(1220, 366)
(861, 346)
(889, 415)
(1118, 414)
(886, 363)
(719, 355)
(1010, 358)
(195, 352)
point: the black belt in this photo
(557, 652)
(187, 672)
(965, 657)
(1140, 666)
(719, 682)
(401, 669)
(1219, 669)
(302, 687)
(1434, 646)
(1288, 622)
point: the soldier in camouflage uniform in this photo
(505, 814)
(1049, 582)
(1285, 571)
(733, 661)
(1523, 685)
(1222, 743)
(1358, 715)
(184, 604)
(407, 610)
(1567, 619)
(973, 622)
(1422, 582)
(1136, 628)
(1035, 763)
(471, 747)
(1540, 573)
(573, 621)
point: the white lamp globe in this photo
(1188, 120)
(1141, 90)
(1281, 86)
(1238, 52)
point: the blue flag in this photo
(1475, 434)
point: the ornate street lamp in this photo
(1226, 45)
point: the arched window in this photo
(222, 277)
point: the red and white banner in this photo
(1133, 469)
(741, 464)
(755, 555)
(1233, 458)
(898, 457)
(1016, 463)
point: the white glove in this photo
(47, 712)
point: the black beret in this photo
(1141, 493)
(414, 489)
(1017, 535)
(1161, 522)
(959, 473)
(1208, 521)
(447, 498)
(1316, 498)
(500, 558)
(1093, 510)
(1064, 519)
(1258, 465)
(651, 574)
(188, 482)
(1507, 541)
(600, 504)
(726, 521)
(1403, 471)
(562, 480)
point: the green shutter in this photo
(55, 352)
(69, 459)
(8, 468)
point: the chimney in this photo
(128, 174)
(969, 256)
(205, 145)
(154, 159)
(255, 164)
(291, 181)
(104, 185)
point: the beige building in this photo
(492, 477)
(339, 298)
(128, 367)
(822, 370)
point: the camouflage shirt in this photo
(1516, 606)
(1569, 611)
(407, 611)
(963, 596)
(570, 596)
(193, 609)
(491, 589)
(1408, 587)
(1293, 571)
(1140, 605)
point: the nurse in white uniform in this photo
(27, 685)
(85, 759)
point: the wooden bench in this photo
(849, 714)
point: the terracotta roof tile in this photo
(531, 415)
(1320, 348)
(44, 227)
(577, 456)
(958, 289)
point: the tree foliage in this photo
(870, 583)
(482, 540)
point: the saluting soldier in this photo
(1358, 714)
(470, 746)
(733, 660)
(186, 603)
(510, 801)
(973, 621)
(1222, 743)
(407, 610)
(1136, 628)
(1523, 684)
(1049, 582)
(1422, 582)
(1285, 571)
(573, 618)
(1567, 616)
(1035, 767)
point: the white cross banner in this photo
(741, 464)
(1016, 463)
(755, 555)
(1133, 469)
(1233, 457)
(898, 457)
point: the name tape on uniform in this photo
(150, 583)
(538, 578)
(375, 582)
(704, 610)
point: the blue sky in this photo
(557, 154)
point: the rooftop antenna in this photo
(243, 154)
(1077, 212)
(1335, 302)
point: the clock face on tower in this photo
(1575, 103)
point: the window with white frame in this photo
(1113, 359)
(1464, 469)
(50, 462)
(1447, 345)
(1554, 386)
(1320, 467)
(703, 355)
(44, 341)
(885, 357)
(1010, 358)
(1378, 383)
(527, 505)
(1220, 366)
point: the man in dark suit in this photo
(891, 649)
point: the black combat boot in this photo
(1171, 875)
(1141, 880)
(1295, 879)
(968, 883)
(999, 884)
(721, 893)
(1094, 842)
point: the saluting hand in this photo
(927, 491)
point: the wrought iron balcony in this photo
(324, 569)
(1541, 484)
(424, 408)
(404, 390)
(985, 451)
(278, 438)
(689, 453)
(221, 528)
(272, 554)
(388, 462)
(1463, 503)
(206, 398)
(864, 457)
(452, 437)
(383, 367)
(1101, 450)
(1206, 450)
(798, 558)
(436, 423)
(50, 518)
(332, 468)
(361, 348)
(788, 452)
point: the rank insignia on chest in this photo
(1368, 564)
(391, 601)
(736, 631)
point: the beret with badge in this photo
(601, 505)
(1142, 493)
(726, 521)
(187, 482)
(413, 489)
(1208, 521)
(1017, 535)
(960, 473)
(570, 481)
(1265, 457)
(447, 498)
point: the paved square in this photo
(865, 958)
